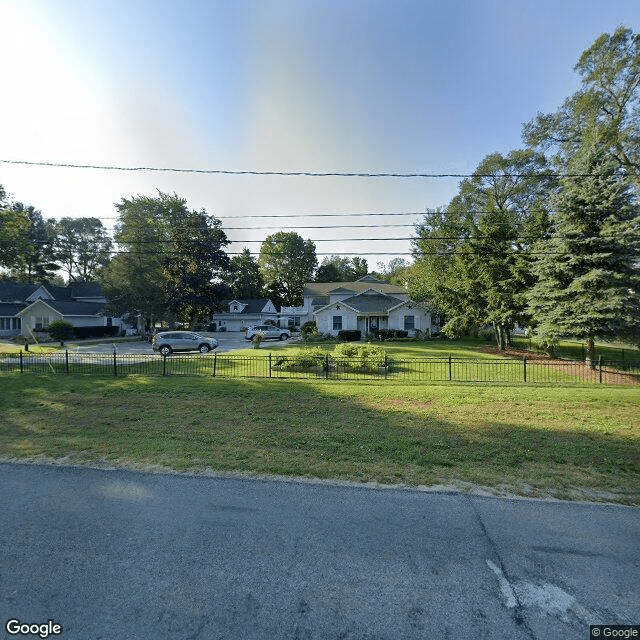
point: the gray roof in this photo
(323, 289)
(255, 305)
(10, 309)
(20, 291)
(372, 302)
(16, 291)
(73, 308)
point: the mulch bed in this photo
(581, 369)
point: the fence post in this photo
(449, 367)
(164, 365)
(600, 368)
(215, 363)
(386, 366)
(115, 364)
(524, 366)
(326, 366)
(66, 361)
(21, 363)
(269, 363)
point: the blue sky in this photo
(283, 85)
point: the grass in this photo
(565, 442)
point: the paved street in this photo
(119, 554)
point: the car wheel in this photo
(204, 348)
(165, 350)
(283, 336)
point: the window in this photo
(409, 323)
(41, 323)
(337, 323)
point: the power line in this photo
(310, 174)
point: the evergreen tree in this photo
(588, 278)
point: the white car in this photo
(269, 332)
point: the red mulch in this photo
(609, 374)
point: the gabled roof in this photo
(20, 292)
(323, 289)
(372, 302)
(16, 291)
(10, 309)
(70, 307)
(255, 305)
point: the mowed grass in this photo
(567, 442)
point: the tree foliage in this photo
(171, 262)
(82, 247)
(341, 269)
(471, 258)
(604, 112)
(244, 279)
(14, 226)
(286, 263)
(36, 259)
(588, 279)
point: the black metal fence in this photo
(229, 365)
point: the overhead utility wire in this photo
(311, 174)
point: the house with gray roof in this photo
(238, 315)
(28, 309)
(368, 304)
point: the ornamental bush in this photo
(60, 330)
(304, 359)
(360, 357)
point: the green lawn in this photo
(566, 442)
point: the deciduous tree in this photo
(288, 260)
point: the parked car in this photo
(268, 331)
(169, 341)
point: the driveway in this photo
(119, 554)
(227, 341)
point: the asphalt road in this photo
(118, 554)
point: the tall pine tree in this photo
(588, 272)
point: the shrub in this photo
(94, 332)
(60, 330)
(302, 360)
(350, 335)
(360, 357)
(257, 339)
(390, 334)
(308, 328)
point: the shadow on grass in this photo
(299, 428)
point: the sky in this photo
(364, 86)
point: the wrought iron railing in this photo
(229, 365)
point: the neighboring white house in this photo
(242, 314)
(26, 309)
(367, 304)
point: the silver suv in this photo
(268, 331)
(170, 341)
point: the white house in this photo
(26, 309)
(367, 304)
(242, 314)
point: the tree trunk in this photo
(497, 329)
(591, 352)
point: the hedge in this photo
(350, 335)
(95, 332)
